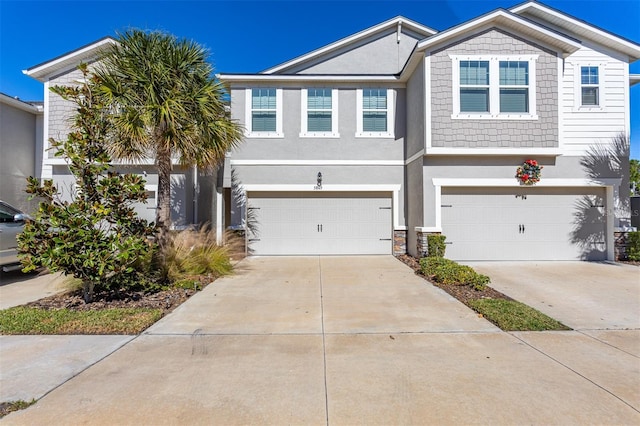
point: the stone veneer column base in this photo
(422, 244)
(399, 243)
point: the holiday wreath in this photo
(529, 172)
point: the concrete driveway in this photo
(582, 295)
(344, 341)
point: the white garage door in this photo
(320, 223)
(524, 223)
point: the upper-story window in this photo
(264, 112)
(319, 108)
(590, 86)
(514, 86)
(494, 87)
(375, 113)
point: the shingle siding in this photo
(468, 133)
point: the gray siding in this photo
(380, 54)
(465, 133)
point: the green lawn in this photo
(510, 315)
(23, 320)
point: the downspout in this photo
(196, 194)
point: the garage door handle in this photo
(385, 239)
(319, 228)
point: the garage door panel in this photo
(321, 223)
(524, 223)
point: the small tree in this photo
(97, 237)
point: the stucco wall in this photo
(379, 54)
(415, 120)
(468, 133)
(347, 147)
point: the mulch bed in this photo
(166, 300)
(461, 292)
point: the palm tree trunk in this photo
(163, 214)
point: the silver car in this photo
(11, 224)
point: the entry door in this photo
(325, 223)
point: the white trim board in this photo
(316, 162)
(512, 182)
(393, 189)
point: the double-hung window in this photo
(474, 86)
(264, 112)
(514, 87)
(375, 112)
(319, 108)
(493, 87)
(590, 86)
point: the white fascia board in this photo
(42, 71)
(552, 152)
(392, 23)
(21, 105)
(618, 43)
(498, 17)
(250, 78)
(316, 162)
(512, 183)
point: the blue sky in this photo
(249, 36)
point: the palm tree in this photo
(166, 104)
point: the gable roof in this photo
(579, 27)
(398, 21)
(499, 17)
(508, 20)
(69, 60)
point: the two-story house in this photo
(370, 143)
(367, 145)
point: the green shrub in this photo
(448, 272)
(633, 249)
(96, 236)
(435, 245)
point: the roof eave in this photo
(599, 35)
(88, 52)
(504, 18)
(250, 78)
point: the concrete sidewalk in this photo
(350, 340)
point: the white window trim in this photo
(494, 88)
(390, 117)
(249, 133)
(577, 72)
(304, 133)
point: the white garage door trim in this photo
(611, 186)
(321, 223)
(394, 189)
